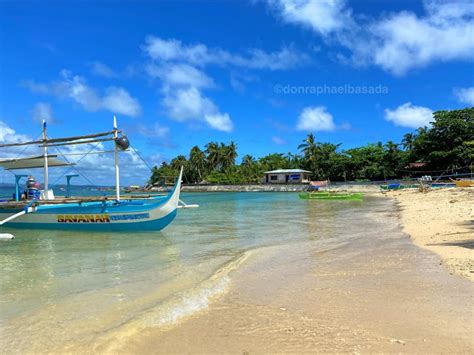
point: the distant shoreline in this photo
(353, 187)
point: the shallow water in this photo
(61, 290)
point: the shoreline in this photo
(335, 187)
(441, 221)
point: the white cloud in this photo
(405, 41)
(322, 16)
(180, 75)
(9, 135)
(398, 42)
(188, 104)
(219, 121)
(465, 95)
(315, 119)
(42, 111)
(278, 140)
(176, 65)
(116, 99)
(101, 69)
(172, 50)
(408, 115)
(182, 85)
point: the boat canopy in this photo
(32, 162)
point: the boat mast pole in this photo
(117, 169)
(45, 154)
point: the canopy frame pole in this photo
(45, 154)
(117, 169)
(17, 186)
(68, 186)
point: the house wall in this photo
(282, 178)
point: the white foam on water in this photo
(190, 303)
(174, 310)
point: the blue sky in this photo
(261, 73)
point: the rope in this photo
(85, 177)
(143, 160)
(148, 166)
(74, 168)
(26, 148)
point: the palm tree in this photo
(408, 140)
(248, 160)
(309, 148)
(229, 154)
(197, 158)
(213, 158)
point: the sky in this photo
(261, 73)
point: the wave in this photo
(174, 310)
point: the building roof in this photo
(286, 171)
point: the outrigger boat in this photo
(100, 213)
(326, 195)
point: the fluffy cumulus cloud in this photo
(178, 67)
(465, 95)
(179, 75)
(404, 40)
(188, 104)
(315, 119)
(75, 87)
(408, 115)
(42, 111)
(397, 42)
(322, 16)
(9, 135)
(198, 54)
(219, 121)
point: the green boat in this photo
(331, 196)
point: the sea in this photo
(62, 290)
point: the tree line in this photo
(447, 145)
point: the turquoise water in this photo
(60, 289)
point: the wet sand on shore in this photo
(376, 292)
(441, 221)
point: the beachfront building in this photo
(287, 176)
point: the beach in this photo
(441, 221)
(377, 293)
(268, 273)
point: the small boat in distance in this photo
(464, 183)
(40, 209)
(316, 195)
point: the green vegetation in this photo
(447, 144)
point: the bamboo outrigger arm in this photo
(79, 142)
(60, 140)
(19, 214)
